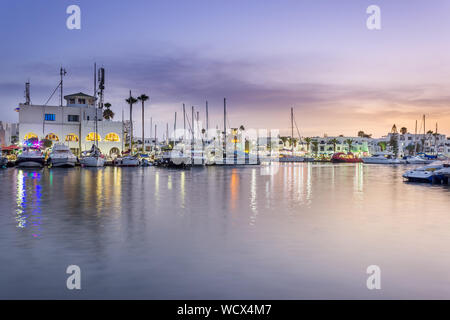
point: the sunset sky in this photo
(264, 56)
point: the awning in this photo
(10, 148)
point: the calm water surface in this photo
(306, 231)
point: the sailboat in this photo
(94, 157)
(291, 157)
(129, 160)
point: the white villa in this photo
(73, 124)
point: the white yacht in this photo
(127, 161)
(382, 158)
(92, 158)
(61, 156)
(416, 160)
(31, 158)
(426, 173)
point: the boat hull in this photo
(291, 159)
(92, 162)
(126, 162)
(63, 162)
(30, 162)
(346, 160)
(380, 161)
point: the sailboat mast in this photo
(292, 130)
(415, 139)
(224, 128)
(155, 135)
(184, 122)
(192, 129)
(435, 139)
(95, 103)
(175, 127)
(131, 126)
(207, 119)
(424, 134)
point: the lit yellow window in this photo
(52, 136)
(29, 136)
(91, 137)
(72, 137)
(112, 137)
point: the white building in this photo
(428, 143)
(9, 132)
(73, 124)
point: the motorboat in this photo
(173, 159)
(290, 158)
(443, 174)
(416, 160)
(342, 157)
(30, 158)
(382, 158)
(92, 158)
(61, 156)
(127, 161)
(426, 173)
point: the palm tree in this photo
(403, 130)
(315, 147)
(308, 142)
(143, 98)
(349, 142)
(131, 100)
(334, 142)
(242, 128)
(108, 114)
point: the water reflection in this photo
(152, 232)
(28, 201)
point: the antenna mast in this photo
(62, 73)
(27, 93)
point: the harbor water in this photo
(285, 231)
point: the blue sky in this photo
(317, 56)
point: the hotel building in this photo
(73, 124)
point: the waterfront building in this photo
(9, 133)
(73, 124)
(429, 143)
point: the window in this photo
(91, 137)
(72, 137)
(73, 118)
(82, 101)
(52, 136)
(30, 135)
(49, 117)
(71, 101)
(112, 137)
